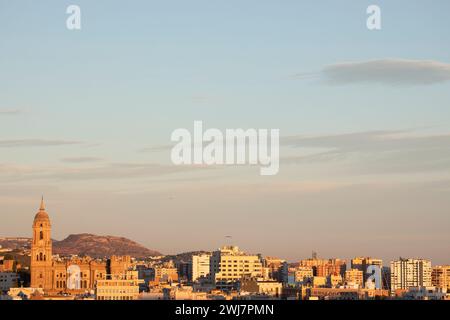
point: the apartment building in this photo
(354, 276)
(8, 280)
(325, 267)
(440, 277)
(165, 274)
(366, 264)
(261, 286)
(302, 274)
(120, 287)
(408, 273)
(228, 265)
(200, 266)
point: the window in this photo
(41, 235)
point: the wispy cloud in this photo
(389, 72)
(111, 171)
(81, 159)
(382, 140)
(394, 72)
(35, 143)
(9, 112)
(117, 171)
(160, 148)
(375, 151)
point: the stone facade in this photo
(66, 275)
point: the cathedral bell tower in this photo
(41, 250)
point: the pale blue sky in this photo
(78, 107)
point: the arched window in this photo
(45, 259)
(40, 256)
(37, 257)
(41, 235)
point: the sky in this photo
(86, 117)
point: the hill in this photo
(100, 246)
(88, 245)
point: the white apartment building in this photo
(200, 266)
(228, 265)
(408, 273)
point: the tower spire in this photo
(42, 208)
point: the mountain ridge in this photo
(87, 244)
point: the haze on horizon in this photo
(364, 118)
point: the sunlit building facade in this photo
(229, 265)
(408, 273)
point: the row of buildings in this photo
(225, 267)
(227, 273)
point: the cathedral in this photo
(71, 275)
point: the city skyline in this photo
(86, 118)
(230, 242)
(227, 273)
